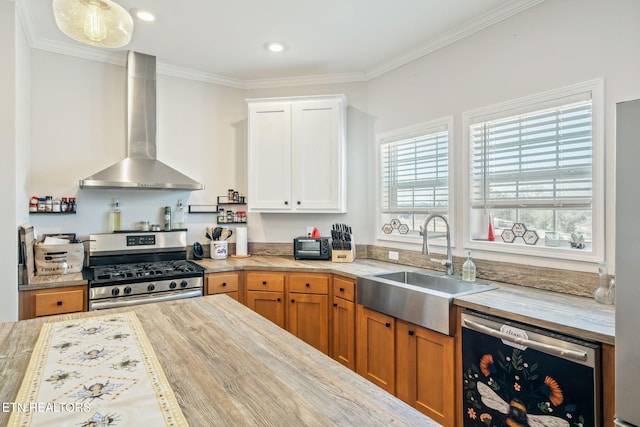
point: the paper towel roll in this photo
(241, 241)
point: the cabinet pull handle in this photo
(388, 325)
(335, 304)
(341, 289)
(411, 333)
(546, 348)
(59, 303)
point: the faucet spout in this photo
(425, 241)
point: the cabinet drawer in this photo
(307, 284)
(221, 283)
(265, 282)
(344, 288)
(59, 302)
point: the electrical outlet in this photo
(393, 255)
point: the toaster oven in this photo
(311, 248)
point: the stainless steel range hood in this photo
(140, 169)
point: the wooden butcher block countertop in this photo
(228, 366)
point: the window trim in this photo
(528, 104)
(444, 124)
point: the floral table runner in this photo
(95, 371)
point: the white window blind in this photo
(541, 159)
(415, 174)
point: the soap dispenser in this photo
(469, 269)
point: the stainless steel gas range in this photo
(131, 268)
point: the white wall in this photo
(554, 44)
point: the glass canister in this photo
(605, 294)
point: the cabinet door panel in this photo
(317, 171)
(375, 347)
(309, 319)
(425, 371)
(268, 304)
(343, 347)
(270, 156)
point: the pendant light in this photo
(101, 23)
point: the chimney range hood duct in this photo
(140, 169)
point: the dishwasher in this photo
(519, 375)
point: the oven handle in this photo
(122, 302)
(546, 348)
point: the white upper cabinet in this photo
(297, 154)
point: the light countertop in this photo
(573, 315)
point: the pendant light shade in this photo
(101, 23)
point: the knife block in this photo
(344, 255)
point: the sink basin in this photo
(420, 297)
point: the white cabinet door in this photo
(270, 157)
(297, 154)
(318, 152)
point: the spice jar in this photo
(56, 206)
(33, 204)
(48, 207)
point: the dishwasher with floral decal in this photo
(519, 375)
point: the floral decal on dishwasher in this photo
(504, 389)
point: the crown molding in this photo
(514, 7)
(468, 28)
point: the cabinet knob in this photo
(293, 300)
(264, 282)
(278, 299)
(388, 325)
(224, 283)
(335, 305)
(308, 285)
(341, 289)
(299, 202)
(59, 303)
(411, 333)
(286, 202)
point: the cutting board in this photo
(26, 266)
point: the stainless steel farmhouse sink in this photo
(420, 297)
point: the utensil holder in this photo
(219, 249)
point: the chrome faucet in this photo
(425, 242)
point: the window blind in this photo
(537, 160)
(415, 174)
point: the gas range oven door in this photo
(105, 303)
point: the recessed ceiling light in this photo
(143, 15)
(275, 47)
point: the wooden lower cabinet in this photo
(47, 302)
(375, 347)
(307, 314)
(308, 319)
(343, 326)
(425, 371)
(265, 295)
(608, 385)
(223, 283)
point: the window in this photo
(536, 168)
(414, 178)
